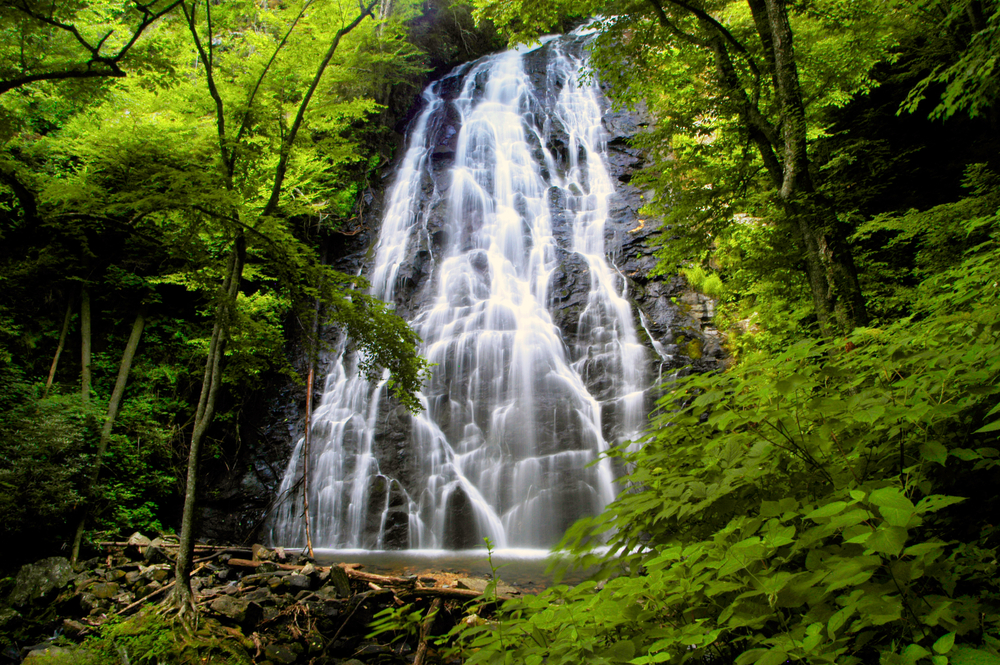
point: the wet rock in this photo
(38, 582)
(338, 585)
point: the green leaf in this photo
(890, 497)
(828, 510)
(752, 656)
(915, 652)
(992, 427)
(935, 502)
(775, 656)
(887, 540)
(934, 451)
(621, 651)
(965, 655)
(838, 619)
(945, 643)
(922, 548)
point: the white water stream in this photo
(506, 444)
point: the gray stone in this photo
(296, 581)
(38, 581)
(155, 552)
(137, 544)
(261, 553)
(73, 628)
(480, 586)
(104, 590)
(241, 611)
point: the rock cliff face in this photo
(673, 322)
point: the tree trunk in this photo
(183, 598)
(59, 348)
(109, 422)
(833, 278)
(85, 339)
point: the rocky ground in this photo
(257, 606)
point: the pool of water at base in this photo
(524, 569)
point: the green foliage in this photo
(820, 504)
(967, 64)
(150, 639)
(708, 283)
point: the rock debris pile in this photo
(268, 606)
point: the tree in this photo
(53, 40)
(749, 55)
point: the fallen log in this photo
(371, 578)
(222, 549)
(446, 593)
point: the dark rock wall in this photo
(677, 320)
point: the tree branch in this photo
(260, 81)
(286, 146)
(220, 116)
(112, 62)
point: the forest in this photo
(176, 178)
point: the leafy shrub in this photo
(830, 503)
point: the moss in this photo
(693, 349)
(151, 638)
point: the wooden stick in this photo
(383, 580)
(59, 347)
(425, 632)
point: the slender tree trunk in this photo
(59, 348)
(308, 433)
(109, 422)
(85, 340)
(832, 275)
(183, 597)
(305, 455)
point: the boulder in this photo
(239, 610)
(38, 582)
(155, 552)
(9, 618)
(136, 546)
(480, 586)
(104, 590)
(48, 654)
(261, 553)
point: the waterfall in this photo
(499, 206)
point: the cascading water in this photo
(517, 409)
